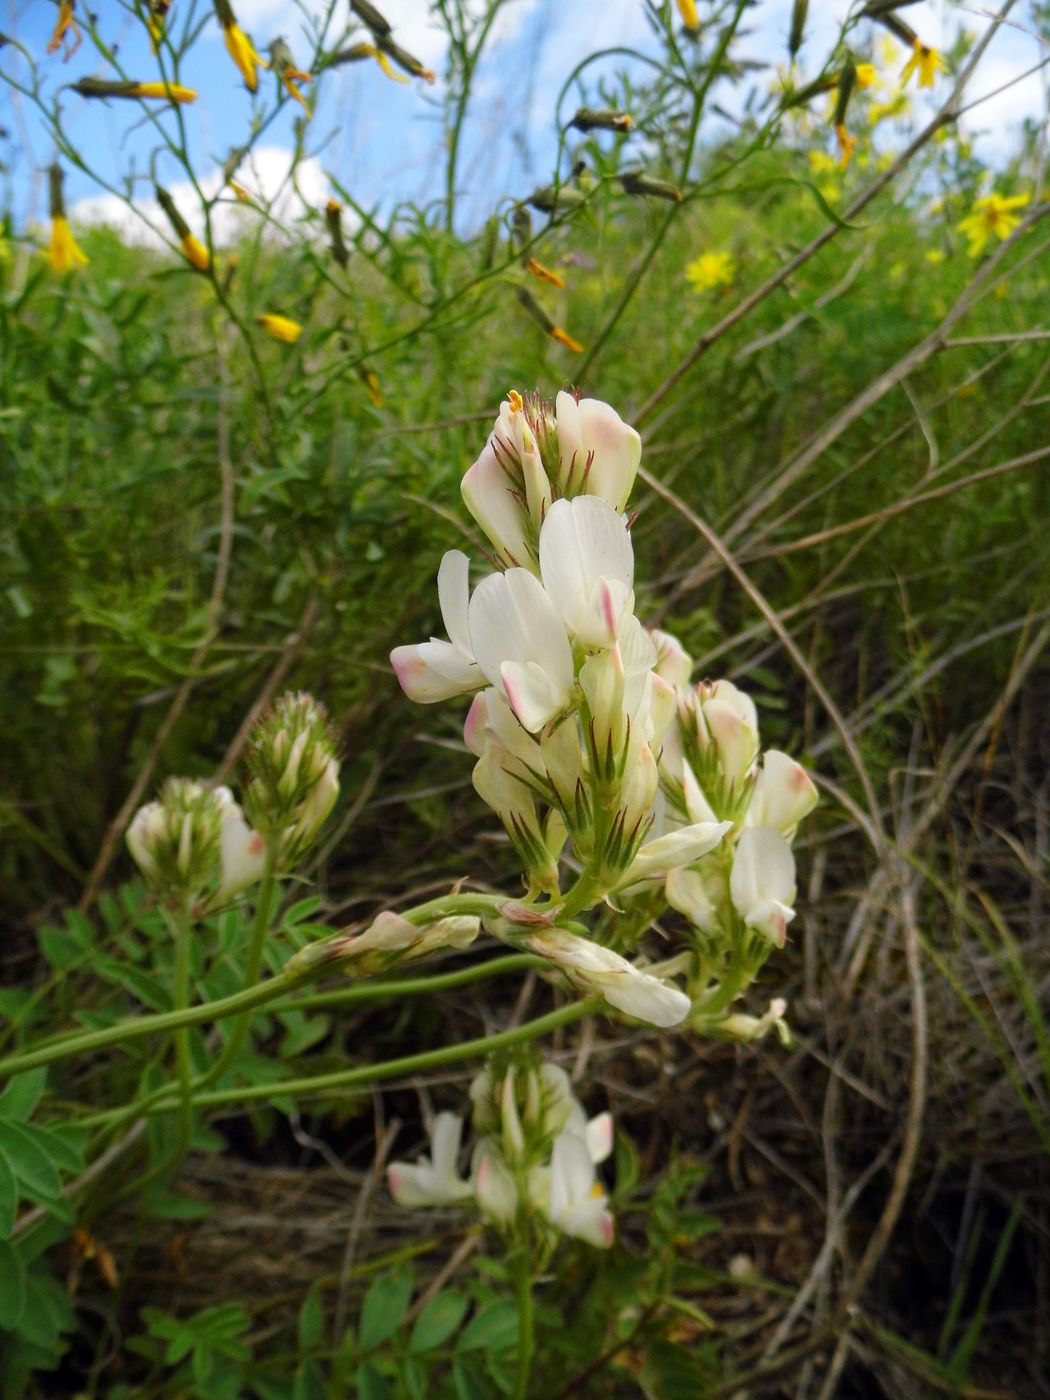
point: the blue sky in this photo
(383, 140)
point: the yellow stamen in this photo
(517, 403)
(564, 338)
(64, 254)
(280, 327)
(195, 253)
(544, 273)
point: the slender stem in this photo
(181, 930)
(526, 1328)
(252, 967)
(365, 1076)
(137, 1027)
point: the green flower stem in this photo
(136, 1027)
(365, 1076)
(182, 931)
(526, 1328)
(412, 986)
(252, 965)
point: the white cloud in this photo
(265, 175)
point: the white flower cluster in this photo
(533, 1164)
(584, 724)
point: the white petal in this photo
(494, 1187)
(242, 852)
(587, 566)
(783, 795)
(617, 450)
(762, 881)
(511, 619)
(677, 848)
(431, 671)
(488, 495)
(530, 694)
(445, 1137)
(598, 1136)
(648, 999)
(453, 596)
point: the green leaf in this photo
(53, 1145)
(311, 1320)
(22, 1095)
(8, 1198)
(494, 1328)
(12, 1286)
(309, 1383)
(386, 1303)
(468, 1387)
(28, 1160)
(370, 1384)
(438, 1321)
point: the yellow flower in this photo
(690, 18)
(242, 194)
(371, 383)
(564, 338)
(65, 256)
(867, 76)
(544, 274)
(65, 24)
(710, 270)
(820, 163)
(370, 51)
(927, 62)
(195, 253)
(991, 217)
(280, 327)
(934, 256)
(173, 92)
(242, 51)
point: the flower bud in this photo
(193, 842)
(739, 1026)
(295, 774)
(601, 119)
(594, 969)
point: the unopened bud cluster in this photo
(294, 774)
(589, 737)
(195, 845)
(533, 1167)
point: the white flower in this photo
(682, 846)
(437, 670)
(577, 1205)
(587, 567)
(599, 452)
(493, 1185)
(784, 793)
(762, 882)
(432, 1181)
(521, 646)
(242, 851)
(592, 968)
(390, 933)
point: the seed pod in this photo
(637, 182)
(370, 16)
(601, 119)
(796, 34)
(847, 82)
(333, 217)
